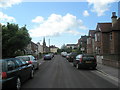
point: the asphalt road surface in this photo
(59, 73)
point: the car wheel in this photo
(32, 74)
(94, 68)
(37, 67)
(78, 67)
(73, 64)
(18, 84)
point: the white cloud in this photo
(85, 13)
(100, 6)
(8, 3)
(38, 19)
(57, 24)
(4, 18)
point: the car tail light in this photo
(30, 62)
(4, 75)
(80, 59)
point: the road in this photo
(59, 73)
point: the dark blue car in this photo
(14, 72)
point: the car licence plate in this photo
(88, 62)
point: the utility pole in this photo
(49, 45)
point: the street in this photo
(59, 73)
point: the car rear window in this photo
(88, 57)
(25, 58)
(74, 53)
(3, 65)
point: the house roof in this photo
(53, 46)
(71, 45)
(91, 33)
(104, 27)
(116, 26)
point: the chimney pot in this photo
(114, 18)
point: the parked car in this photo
(64, 54)
(31, 59)
(52, 55)
(85, 61)
(72, 56)
(14, 72)
(68, 56)
(47, 57)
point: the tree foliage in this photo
(14, 39)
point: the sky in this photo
(63, 22)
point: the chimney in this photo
(114, 18)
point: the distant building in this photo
(31, 48)
(40, 48)
(45, 48)
(82, 43)
(73, 46)
(90, 42)
(53, 49)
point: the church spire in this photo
(44, 43)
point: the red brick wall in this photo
(105, 43)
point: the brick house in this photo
(31, 49)
(90, 42)
(107, 37)
(102, 38)
(82, 43)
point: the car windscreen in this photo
(48, 55)
(73, 54)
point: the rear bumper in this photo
(8, 83)
(70, 59)
(47, 58)
(84, 65)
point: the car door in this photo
(12, 71)
(24, 69)
(34, 62)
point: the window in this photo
(89, 41)
(19, 62)
(11, 65)
(111, 36)
(95, 37)
(98, 39)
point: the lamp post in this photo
(49, 45)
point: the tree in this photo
(14, 39)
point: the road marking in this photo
(39, 63)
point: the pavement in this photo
(108, 70)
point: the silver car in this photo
(30, 59)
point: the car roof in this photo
(25, 56)
(7, 59)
